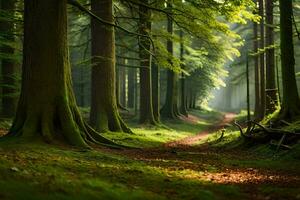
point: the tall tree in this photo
(155, 75)
(262, 61)
(131, 87)
(146, 105)
(183, 108)
(290, 107)
(170, 108)
(47, 106)
(9, 66)
(271, 91)
(256, 69)
(104, 114)
(122, 82)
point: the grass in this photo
(34, 170)
(147, 136)
(38, 171)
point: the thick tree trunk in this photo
(47, 104)
(9, 66)
(290, 107)
(170, 108)
(262, 62)
(183, 109)
(271, 90)
(104, 114)
(146, 105)
(256, 70)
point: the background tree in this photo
(9, 63)
(146, 105)
(262, 61)
(271, 91)
(104, 114)
(170, 108)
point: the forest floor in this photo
(185, 161)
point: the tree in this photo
(155, 75)
(146, 106)
(47, 106)
(170, 108)
(9, 66)
(183, 108)
(256, 69)
(271, 91)
(262, 61)
(131, 87)
(104, 114)
(290, 107)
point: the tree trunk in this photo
(155, 91)
(183, 109)
(9, 66)
(194, 101)
(290, 107)
(170, 109)
(104, 114)
(271, 91)
(47, 104)
(131, 87)
(122, 80)
(256, 70)
(146, 106)
(262, 62)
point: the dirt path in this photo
(182, 155)
(188, 141)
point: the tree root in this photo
(264, 134)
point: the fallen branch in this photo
(286, 147)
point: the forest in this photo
(149, 99)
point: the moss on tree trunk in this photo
(104, 114)
(170, 108)
(47, 105)
(146, 106)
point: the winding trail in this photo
(182, 155)
(188, 141)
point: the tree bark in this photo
(131, 87)
(256, 70)
(155, 91)
(146, 104)
(9, 66)
(47, 105)
(104, 114)
(183, 109)
(170, 108)
(262, 111)
(271, 91)
(122, 80)
(290, 107)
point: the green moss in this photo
(40, 171)
(45, 172)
